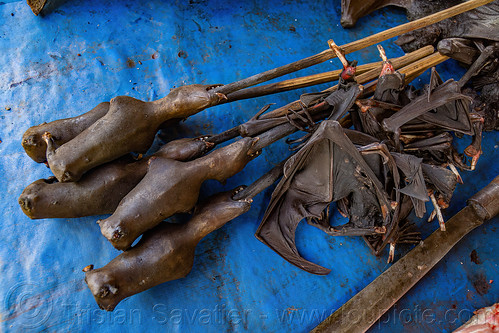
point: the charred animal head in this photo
(104, 288)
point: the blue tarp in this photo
(83, 53)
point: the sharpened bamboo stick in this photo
(363, 78)
(297, 83)
(310, 80)
(351, 47)
(411, 69)
(418, 67)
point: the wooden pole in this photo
(311, 80)
(412, 70)
(297, 83)
(351, 47)
(364, 78)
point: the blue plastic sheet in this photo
(83, 53)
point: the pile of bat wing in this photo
(398, 155)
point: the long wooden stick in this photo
(351, 47)
(415, 69)
(297, 83)
(412, 70)
(311, 80)
(362, 78)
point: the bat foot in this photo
(391, 253)
(208, 145)
(438, 211)
(47, 137)
(474, 153)
(453, 168)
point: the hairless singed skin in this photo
(163, 254)
(352, 10)
(100, 190)
(129, 126)
(62, 131)
(171, 187)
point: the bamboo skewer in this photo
(367, 76)
(310, 80)
(418, 67)
(297, 83)
(410, 69)
(351, 47)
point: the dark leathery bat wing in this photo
(479, 23)
(342, 99)
(459, 49)
(281, 219)
(443, 179)
(449, 105)
(309, 99)
(435, 81)
(411, 167)
(359, 138)
(389, 87)
(312, 179)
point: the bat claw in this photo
(438, 211)
(47, 137)
(213, 86)
(364, 107)
(391, 253)
(453, 168)
(474, 154)
(252, 152)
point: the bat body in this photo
(170, 187)
(101, 189)
(130, 125)
(62, 130)
(163, 254)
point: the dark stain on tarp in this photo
(182, 54)
(130, 63)
(198, 25)
(481, 284)
(475, 258)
